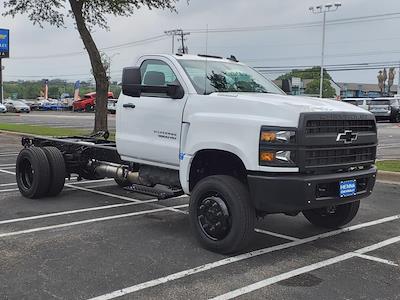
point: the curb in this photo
(389, 176)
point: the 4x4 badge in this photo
(347, 137)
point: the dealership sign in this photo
(4, 43)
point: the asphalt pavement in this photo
(98, 241)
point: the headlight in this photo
(278, 136)
(277, 147)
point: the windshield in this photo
(226, 77)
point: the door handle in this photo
(129, 105)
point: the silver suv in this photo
(385, 109)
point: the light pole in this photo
(323, 9)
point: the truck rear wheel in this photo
(332, 217)
(221, 214)
(57, 170)
(33, 173)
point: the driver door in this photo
(150, 129)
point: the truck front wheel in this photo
(221, 214)
(334, 216)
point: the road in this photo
(96, 240)
(389, 133)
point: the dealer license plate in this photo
(348, 188)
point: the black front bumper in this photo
(297, 192)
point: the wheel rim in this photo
(26, 174)
(214, 217)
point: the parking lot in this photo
(96, 240)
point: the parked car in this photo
(17, 106)
(88, 102)
(3, 109)
(112, 106)
(385, 109)
(360, 102)
(33, 105)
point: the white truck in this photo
(218, 131)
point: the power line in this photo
(115, 47)
(377, 17)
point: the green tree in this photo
(87, 14)
(312, 73)
(327, 90)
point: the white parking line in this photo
(8, 154)
(7, 172)
(8, 168)
(377, 259)
(71, 212)
(7, 184)
(282, 236)
(9, 190)
(119, 197)
(7, 165)
(264, 283)
(233, 259)
(145, 212)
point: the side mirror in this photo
(287, 86)
(131, 82)
(175, 91)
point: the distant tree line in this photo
(34, 89)
(313, 87)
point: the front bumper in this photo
(298, 192)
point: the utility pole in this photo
(173, 33)
(182, 39)
(323, 9)
(181, 34)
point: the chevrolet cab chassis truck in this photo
(218, 131)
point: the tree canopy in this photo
(327, 90)
(94, 12)
(312, 73)
(87, 14)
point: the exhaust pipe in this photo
(114, 171)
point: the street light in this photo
(323, 9)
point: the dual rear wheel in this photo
(40, 172)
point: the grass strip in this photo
(389, 165)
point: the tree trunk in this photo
(99, 72)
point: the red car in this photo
(88, 102)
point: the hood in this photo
(282, 109)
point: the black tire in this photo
(334, 217)
(237, 218)
(57, 170)
(88, 108)
(33, 173)
(396, 119)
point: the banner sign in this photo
(4, 43)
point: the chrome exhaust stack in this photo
(108, 170)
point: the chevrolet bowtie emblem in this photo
(347, 137)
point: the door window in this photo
(157, 73)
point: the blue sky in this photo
(378, 41)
